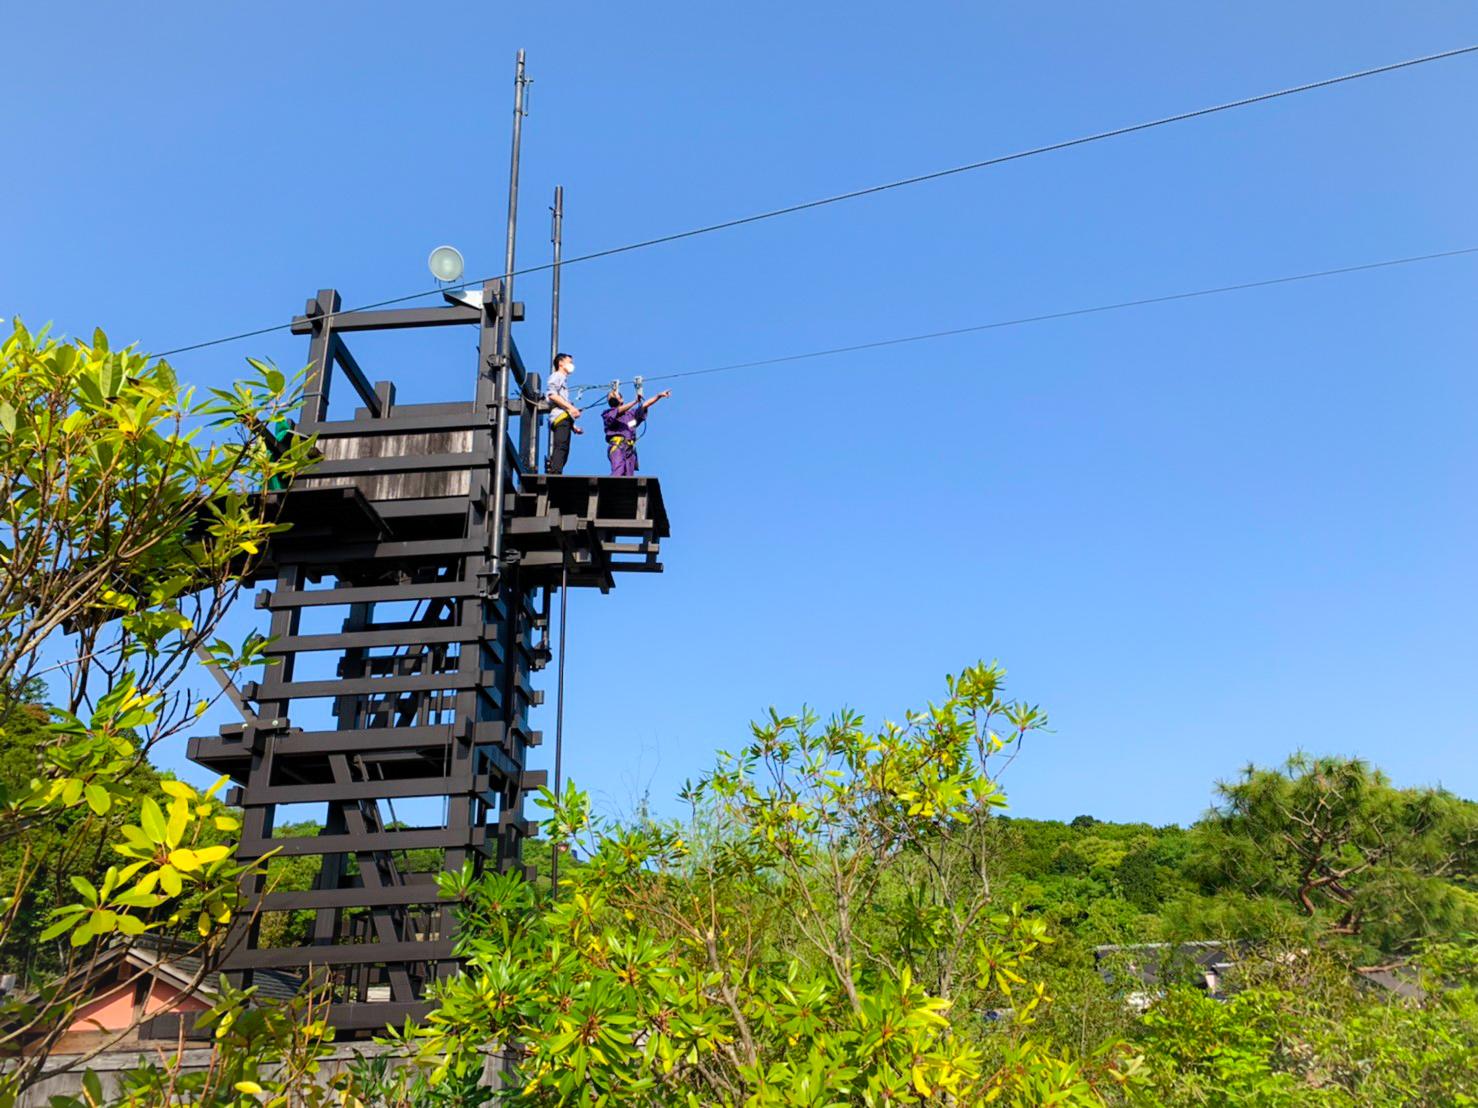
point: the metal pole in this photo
(556, 236)
(534, 397)
(233, 694)
(505, 332)
(559, 710)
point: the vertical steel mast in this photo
(556, 236)
(505, 335)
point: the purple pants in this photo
(623, 458)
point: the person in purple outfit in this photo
(621, 421)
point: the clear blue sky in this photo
(1200, 534)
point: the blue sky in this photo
(1200, 534)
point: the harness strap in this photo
(618, 441)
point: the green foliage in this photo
(384, 1081)
(1095, 882)
(37, 868)
(1202, 1051)
(265, 1055)
(1335, 840)
(817, 932)
(1383, 868)
(1301, 1032)
(128, 515)
(167, 852)
(826, 927)
(111, 510)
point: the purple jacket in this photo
(623, 425)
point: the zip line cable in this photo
(1044, 317)
(871, 190)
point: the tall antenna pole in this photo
(505, 330)
(556, 236)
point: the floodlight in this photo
(445, 263)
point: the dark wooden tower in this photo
(408, 611)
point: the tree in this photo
(1335, 839)
(129, 513)
(1138, 878)
(73, 844)
(819, 930)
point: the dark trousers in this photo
(559, 446)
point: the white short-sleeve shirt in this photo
(558, 388)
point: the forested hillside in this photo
(1321, 847)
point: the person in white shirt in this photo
(564, 416)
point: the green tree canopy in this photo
(129, 514)
(1336, 840)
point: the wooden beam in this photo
(328, 792)
(383, 738)
(303, 846)
(407, 463)
(375, 594)
(339, 352)
(421, 635)
(313, 551)
(393, 896)
(371, 686)
(394, 320)
(347, 954)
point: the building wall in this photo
(101, 1019)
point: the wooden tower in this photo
(408, 610)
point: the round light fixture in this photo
(445, 263)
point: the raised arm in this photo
(660, 396)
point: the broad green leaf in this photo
(57, 928)
(178, 789)
(98, 799)
(179, 820)
(169, 880)
(153, 820)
